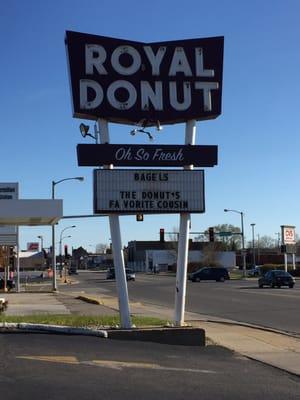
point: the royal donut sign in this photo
(141, 83)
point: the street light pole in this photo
(243, 238)
(278, 239)
(258, 251)
(60, 241)
(42, 245)
(253, 245)
(54, 282)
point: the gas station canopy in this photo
(30, 212)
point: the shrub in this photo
(268, 267)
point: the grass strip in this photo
(82, 321)
(235, 275)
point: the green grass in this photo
(82, 320)
(236, 274)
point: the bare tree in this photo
(173, 236)
(101, 248)
(266, 242)
(209, 255)
(230, 236)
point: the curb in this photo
(182, 336)
(91, 300)
(186, 336)
(11, 327)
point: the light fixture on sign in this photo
(84, 130)
(135, 131)
(158, 126)
(140, 217)
(143, 124)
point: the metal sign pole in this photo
(285, 262)
(18, 262)
(6, 267)
(294, 261)
(117, 247)
(183, 242)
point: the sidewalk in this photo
(270, 347)
(28, 303)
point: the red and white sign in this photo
(288, 234)
(33, 246)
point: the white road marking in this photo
(118, 365)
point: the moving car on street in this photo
(130, 275)
(218, 274)
(276, 278)
(256, 271)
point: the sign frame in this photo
(146, 186)
(288, 234)
(130, 82)
(92, 155)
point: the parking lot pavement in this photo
(267, 346)
(272, 348)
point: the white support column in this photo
(294, 261)
(183, 242)
(118, 257)
(54, 280)
(285, 262)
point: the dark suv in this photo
(219, 274)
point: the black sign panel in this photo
(141, 83)
(91, 155)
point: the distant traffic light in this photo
(140, 217)
(161, 235)
(211, 234)
(12, 256)
(283, 248)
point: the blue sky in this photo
(257, 133)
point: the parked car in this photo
(10, 284)
(110, 274)
(72, 270)
(276, 278)
(256, 271)
(219, 274)
(130, 275)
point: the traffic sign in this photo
(224, 234)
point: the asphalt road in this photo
(76, 367)
(236, 299)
